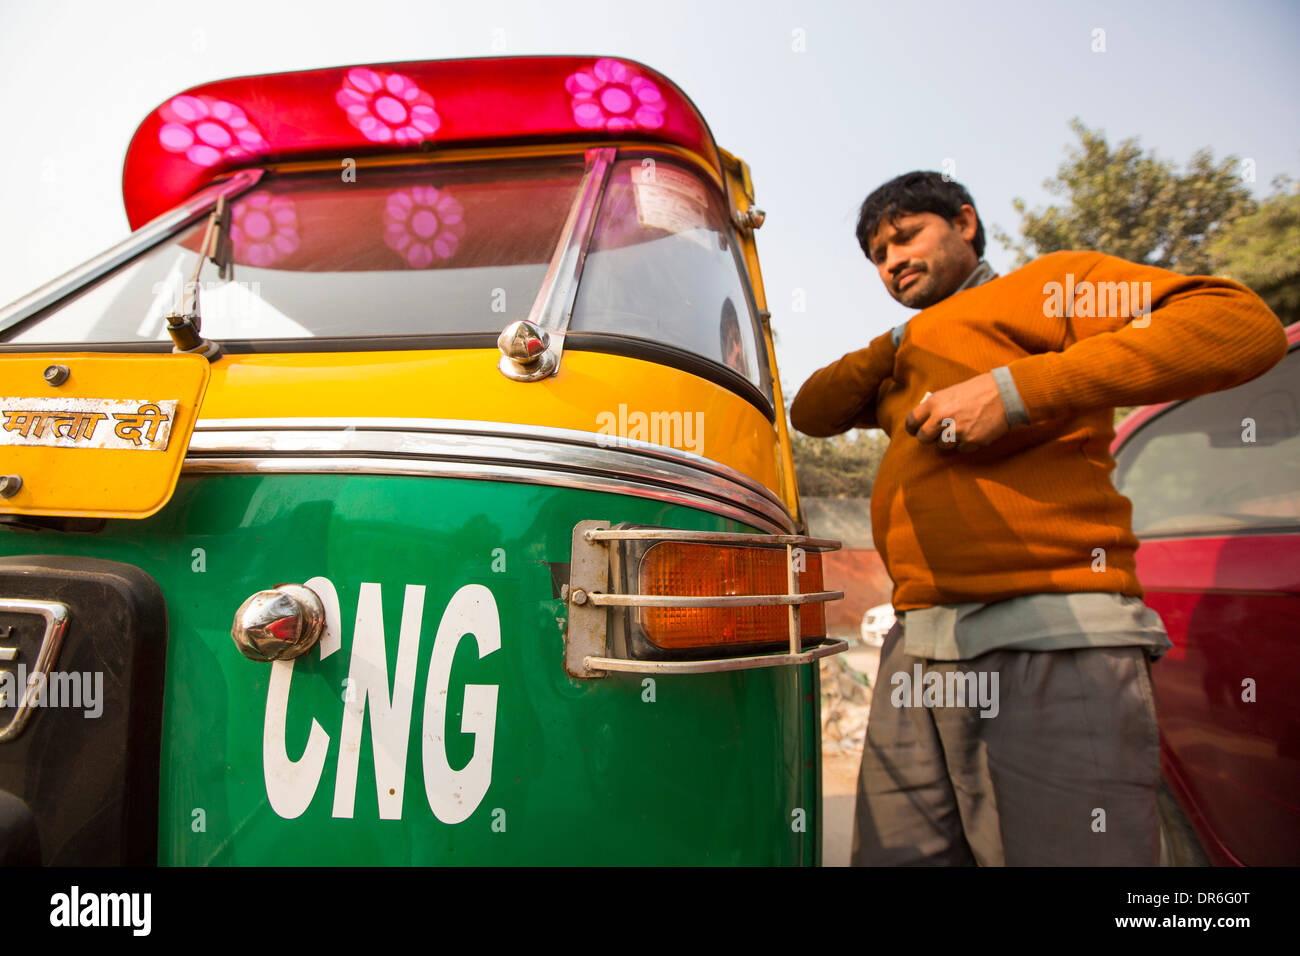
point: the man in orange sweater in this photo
(1013, 720)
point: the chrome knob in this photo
(10, 485)
(525, 351)
(523, 342)
(751, 218)
(278, 624)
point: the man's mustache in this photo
(911, 270)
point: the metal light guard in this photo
(587, 598)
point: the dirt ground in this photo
(846, 681)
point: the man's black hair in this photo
(912, 193)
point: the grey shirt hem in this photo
(1034, 622)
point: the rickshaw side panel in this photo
(714, 769)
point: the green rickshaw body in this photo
(542, 768)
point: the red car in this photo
(1215, 487)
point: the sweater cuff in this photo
(1036, 387)
(1015, 408)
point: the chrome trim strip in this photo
(495, 471)
(148, 235)
(726, 600)
(56, 623)
(505, 430)
(488, 449)
(716, 537)
(553, 308)
(714, 666)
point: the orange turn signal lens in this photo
(706, 570)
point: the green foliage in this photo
(1262, 251)
(842, 466)
(1135, 206)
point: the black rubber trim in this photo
(662, 354)
(605, 342)
(361, 343)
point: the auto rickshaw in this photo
(414, 484)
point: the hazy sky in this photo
(877, 89)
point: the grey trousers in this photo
(1062, 771)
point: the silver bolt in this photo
(10, 485)
(579, 596)
(57, 374)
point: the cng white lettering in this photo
(291, 784)
(453, 795)
(390, 719)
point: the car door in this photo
(1215, 486)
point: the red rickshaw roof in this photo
(353, 111)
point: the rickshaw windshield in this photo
(663, 266)
(447, 248)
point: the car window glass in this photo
(1220, 462)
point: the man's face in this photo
(922, 257)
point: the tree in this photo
(1135, 206)
(1262, 251)
(842, 466)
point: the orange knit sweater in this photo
(1028, 513)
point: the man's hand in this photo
(965, 417)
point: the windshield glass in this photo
(442, 248)
(663, 266)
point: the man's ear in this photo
(967, 222)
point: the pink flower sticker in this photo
(422, 224)
(387, 107)
(264, 228)
(609, 95)
(207, 130)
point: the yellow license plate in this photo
(97, 436)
